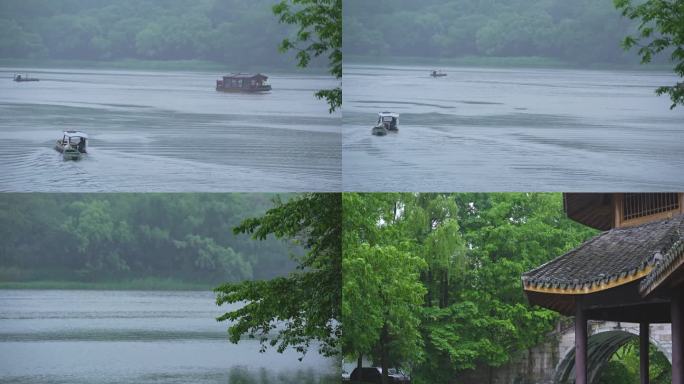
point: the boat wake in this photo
(118, 171)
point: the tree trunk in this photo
(428, 285)
(444, 291)
(359, 362)
(383, 355)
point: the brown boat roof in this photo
(614, 257)
(245, 76)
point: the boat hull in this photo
(379, 130)
(68, 153)
(71, 155)
(265, 88)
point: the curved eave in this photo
(673, 262)
(588, 287)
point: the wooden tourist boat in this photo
(73, 145)
(243, 82)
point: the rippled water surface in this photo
(167, 131)
(511, 129)
(135, 337)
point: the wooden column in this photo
(643, 351)
(580, 345)
(677, 316)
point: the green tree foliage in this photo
(319, 25)
(580, 31)
(507, 234)
(186, 237)
(661, 28)
(304, 306)
(623, 366)
(472, 248)
(382, 292)
(242, 34)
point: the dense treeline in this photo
(184, 237)
(581, 31)
(432, 281)
(235, 32)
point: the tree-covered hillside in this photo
(236, 32)
(581, 31)
(183, 237)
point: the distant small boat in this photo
(243, 82)
(387, 122)
(73, 145)
(437, 74)
(18, 77)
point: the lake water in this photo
(166, 131)
(511, 129)
(51, 336)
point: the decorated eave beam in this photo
(623, 303)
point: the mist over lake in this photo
(485, 129)
(135, 336)
(166, 131)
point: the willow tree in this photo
(464, 253)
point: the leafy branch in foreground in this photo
(320, 30)
(303, 307)
(662, 21)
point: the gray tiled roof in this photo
(612, 255)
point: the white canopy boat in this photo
(387, 122)
(73, 145)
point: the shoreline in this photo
(503, 62)
(155, 65)
(125, 285)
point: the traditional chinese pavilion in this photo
(631, 272)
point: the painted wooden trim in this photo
(593, 288)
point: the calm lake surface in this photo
(511, 129)
(166, 131)
(55, 336)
